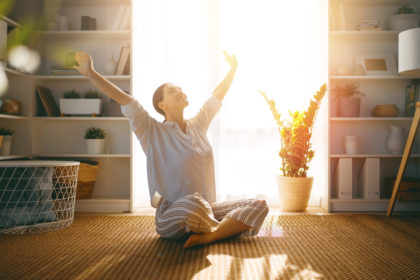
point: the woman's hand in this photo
(85, 63)
(231, 60)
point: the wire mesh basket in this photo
(36, 195)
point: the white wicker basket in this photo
(36, 195)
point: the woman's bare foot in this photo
(198, 239)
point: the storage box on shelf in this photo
(373, 160)
(44, 137)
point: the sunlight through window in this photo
(278, 52)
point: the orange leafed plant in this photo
(295, 135)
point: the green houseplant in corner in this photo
(296, 153)
(95, 140)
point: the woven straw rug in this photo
(288, 247)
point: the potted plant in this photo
(347, 99)
(95, 140)
(6, 134)
(404, 18)
(72, 104)
(295, 153)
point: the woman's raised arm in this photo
(85, 68)
(222, 88)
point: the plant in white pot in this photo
(95, 140)
(404, 18)
(295, 153)
(72, 104)
(347, 98)
(7, 141)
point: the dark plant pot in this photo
(349, 107)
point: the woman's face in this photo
(173, 98)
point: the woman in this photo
(180, 164)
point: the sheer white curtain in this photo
(282, 50)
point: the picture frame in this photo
(376, 64)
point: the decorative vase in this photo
(95, 146)
(294, 192)
(7, 144)
(351, 144)
(403, 22)
(110, 66)
(349, 107)
(395, 140)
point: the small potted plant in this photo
(95, 140)
(404, 18)
(72, 104)
(6, 145)
(295, 153)
(347, 98)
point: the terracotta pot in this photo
(294, 192)
(349, 107)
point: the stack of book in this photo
(63, 70)
(369, 25)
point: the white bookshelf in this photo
(41, 137)
(372, 131)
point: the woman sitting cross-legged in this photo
(180, 165)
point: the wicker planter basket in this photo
(86, 179)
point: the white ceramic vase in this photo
(95, 146)
(351, 144)
(395, 141)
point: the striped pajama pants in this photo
(193, 214)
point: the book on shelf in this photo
(123, 61)
(412, 95)
(48, 102)
(337, 21)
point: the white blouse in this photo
(178, 163)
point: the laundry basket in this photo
(37, 195)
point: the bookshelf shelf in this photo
(364, 35)
(10, 21)
(56, 137)
(357, 178)
(63, 78)
(373, 78)
(372, 156)
(60, 155)
(86, 34)
(5, 116)
(80, 118)
(13, 72)
(373, 119)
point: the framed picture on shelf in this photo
(377, 64)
